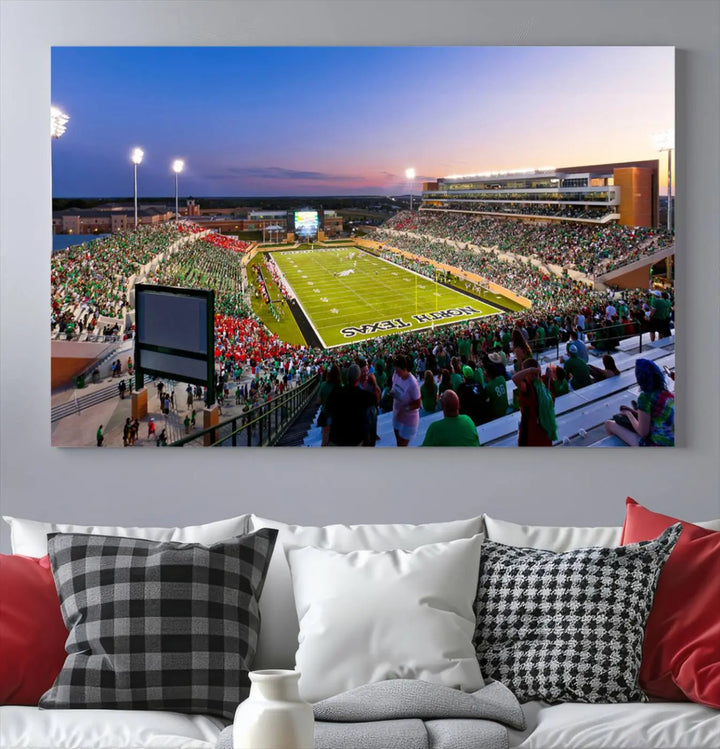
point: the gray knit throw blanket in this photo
(411, 714)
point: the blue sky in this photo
(346, 120)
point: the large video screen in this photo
(306, 223)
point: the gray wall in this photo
(314, 486)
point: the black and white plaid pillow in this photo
(158, 625)
(567, 627)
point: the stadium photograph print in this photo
(393, 264)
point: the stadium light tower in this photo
(137, 157)
(665, 141)
(410, 174)
(58, 122)
(178, 165)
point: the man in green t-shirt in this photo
(454, 429)
(496, 388)
(660, 314)
(464, 345)
(577, 371)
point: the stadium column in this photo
(139, 403)
(211, 418)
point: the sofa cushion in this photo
(31, 728)
(32, 632)
(681, 652)
(368, 616)
(559, 538)
(549, 537)
(634, 725)
(279, 633)
(29, 537)
(157, 626)
(567, 627)
(568, 726)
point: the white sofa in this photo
(651, 725)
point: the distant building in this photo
(626, 192)
(192, 208)
(107, 219)
(113, 218)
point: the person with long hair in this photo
(429, 393)
(609, 369)
(653, 421)
(521, 349)
(538, 427)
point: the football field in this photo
(349, 295)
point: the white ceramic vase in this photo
(274, 716)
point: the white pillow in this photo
(29, 537)
(559, 538)
(369, 616)
(279, 629)
(551, 538)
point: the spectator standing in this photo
(406, 401)
(496, 388)
(473, 399)
(348, 406)
(454, 429)
(520, 348)
(537, 413)
(429, 393)
(369, 385)
(660, 312)
(99, 437)
(579, 325)
(331, 383)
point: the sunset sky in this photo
(348, 120)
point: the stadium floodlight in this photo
(665, 141)
(136, 157)
(178, 165)
(58, 122)
(410, 174)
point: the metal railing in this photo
(86, 401)
(263, 425)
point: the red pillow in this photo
(681, 652)
(32, 632)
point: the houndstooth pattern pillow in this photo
(567, 627)
(158, 625)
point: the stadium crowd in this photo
(580, 247)
(546, 291)
(205, 263)
(475, 356)
(530, 209)
(90, 280)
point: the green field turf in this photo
(374, 298)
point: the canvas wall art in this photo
(362, 247)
